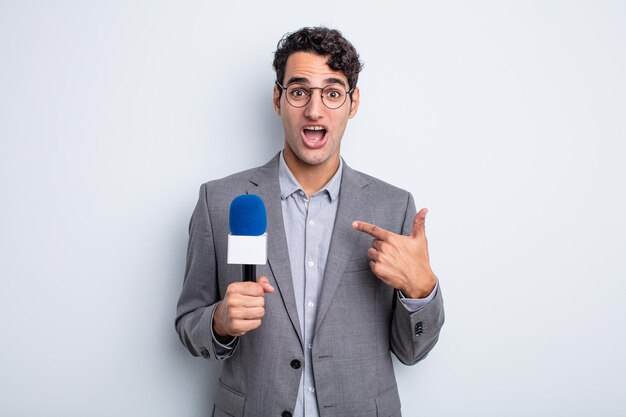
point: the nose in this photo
(315, 106)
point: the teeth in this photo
(314, 128)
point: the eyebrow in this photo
(334, 81)
(305, 81)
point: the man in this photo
(348, 277)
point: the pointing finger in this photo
(371, 229)
(419, 223)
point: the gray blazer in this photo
(359, 320)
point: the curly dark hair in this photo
(342, 55)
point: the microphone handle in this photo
(249, 272)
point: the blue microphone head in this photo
(247, 216)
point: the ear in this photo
(276, 99)
(354, 103)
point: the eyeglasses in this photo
(299, 95)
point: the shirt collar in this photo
(289, 184)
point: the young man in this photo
(348, 278)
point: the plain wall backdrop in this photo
(507, 119)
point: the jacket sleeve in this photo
(414, 334)
(200, 293)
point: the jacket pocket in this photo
(388, 403)
(228, 402)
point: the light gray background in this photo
(506, 119)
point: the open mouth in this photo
(314, 136)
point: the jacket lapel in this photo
(353, 205)
(267, 187)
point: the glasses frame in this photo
(284, 89)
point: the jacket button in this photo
(286, 414)
(205, 353)
(295, 364)
(419, 328)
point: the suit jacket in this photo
(359, 320)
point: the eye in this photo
(333, 94)
(298, 92)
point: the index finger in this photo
(371, 229)
(248, 288)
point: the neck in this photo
(311, 177)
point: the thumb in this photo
(265, 283)
(419, 223)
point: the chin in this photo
(313, 158)
(311, 161)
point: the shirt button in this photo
(286, 414)
(311, 389)
(311, 222)
(311, 304)
(295, 364)
(311, 263)
(310, 346)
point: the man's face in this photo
(313, 133)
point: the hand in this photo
(241, 309)
(401, 261)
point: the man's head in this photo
(315, 94)
(330, 43)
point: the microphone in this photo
(247, 240)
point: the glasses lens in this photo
(333, 96)
(298, 95)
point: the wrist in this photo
(422, 290)
(218, 331)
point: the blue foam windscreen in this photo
(247, 216)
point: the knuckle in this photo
(258, 289)
(235, 326)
